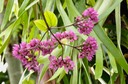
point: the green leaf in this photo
(121, 73)
(109, 9)
(40, 25)
(56, 74)
(65, 80)
(0, 42)
(75, 69)
(118, 25)
(99, 62)
(99, 57)
(71, 10)
(50, 5)
(23, 5)
(113, 50)
(22, 76)
(61, 77)
(43, 71)
(7, 13)
(42, 59)
(8, 33)
(92, 2)
(28, 75)
(80, 5)
(1, 5)
(30, 81)
(80, 79)
(51, 18)
(16, 8)
(31, 4)
(88, 79)
(112, 62)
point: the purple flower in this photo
(91, 13)
(89, 48)
(23, 53)
(20, 50)
(58, 36)
(70, 35)
(85, 26)
(86, 23)
(32, 64)
(56, 63)
(34, 43)
(68, 64)
(47, 47)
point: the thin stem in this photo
(43, 35)
(75, 47)
(62, 26)
(49, 29)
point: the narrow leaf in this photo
(112, 62)
(1, 5)
(56, 74)
(23, 5)
(7, 13)
(118, 25)
(99, 62)
(113, 50)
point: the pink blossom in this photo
(70, 35)
(56, 63)
(68, 64)
(34, 43)
(85, 23)
(85, 27)
(47, 47)
(27, 58)
(91, 13)
(89, 48)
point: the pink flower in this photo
(27, 58)
(34, 43)
(47, 47)
(85, 27)
(89, 48)
(86, 23)
(58, 36)
(70, 35)
(91, 13)
(68, 64)
(56, 63)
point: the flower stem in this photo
(49, 29)
(62, 26)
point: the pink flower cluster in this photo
(26, 56)
(25, 52)
(89, 48)
(56, 63)
(86, 23)
(67, 34)
(92, 14)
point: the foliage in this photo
(24, 19)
